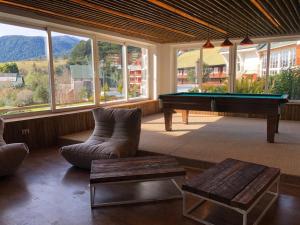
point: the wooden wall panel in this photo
(291, 111)
(45, 130)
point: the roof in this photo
(14, 78)
(261, 47)
(275, 45)
(211, 57)
(8, 77)
(80, 72)
(169, 21)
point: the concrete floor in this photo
(47, 190)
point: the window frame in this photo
(95, 37)
(71, 33)
(232, 66)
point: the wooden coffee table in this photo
(134, 169)
(232, 184)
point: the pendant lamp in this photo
(246, 41)
(208, 44)
(226, 43)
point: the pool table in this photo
(268, 105)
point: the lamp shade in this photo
(208, 44)
(226, 43)
(246, 41)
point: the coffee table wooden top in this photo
(134, 168)
(233, 182)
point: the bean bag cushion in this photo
(11, 155)
(116, 134)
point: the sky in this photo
(6, 29)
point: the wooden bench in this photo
(134, 169)
(232, 184)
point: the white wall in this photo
(249, 63)
(166, 69)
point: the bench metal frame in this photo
(187, 211)
(133, 201)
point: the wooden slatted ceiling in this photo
(168, 21)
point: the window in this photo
(24, 77)
(188, 70)
(137, 59)
(214, 75)
(292, 61)
(251, 77)
(74, 82)
(111, 75)
(284, 58)
(284, 78)
(238, 64)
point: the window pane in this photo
(137, 71)
(111, 76)
(188, 64)
(215, 70)
(212, 77)
(251, 68)
(24, 77)
(285, 68)
(74, 85)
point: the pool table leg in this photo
(168, 119)
(185, 116)
(271, 127)
(277, 123)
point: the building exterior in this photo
(252, 60)
(14, 79)
(188, 66)
(137, 70)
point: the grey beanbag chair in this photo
(116, 134)
(11, 155)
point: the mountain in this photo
(18, 47)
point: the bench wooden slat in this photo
(233, 182)
(137, 168)
(201, 183)
(236, 182)
(256, 188)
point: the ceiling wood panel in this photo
(169, 21)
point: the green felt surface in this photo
(229, 95)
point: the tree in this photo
(9, 68)
(81, 53)
(191, 76)
(38, 83)
(287, 82)
(206, 71)
(24, 97)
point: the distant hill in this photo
(18, 47)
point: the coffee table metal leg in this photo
(187, 211)
(101, 204)
(245, 218)
(92, 194)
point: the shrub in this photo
(24, 98)
(248, 85)
(287, 82)
(41, 95)
(9, 68)
(194, 90)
